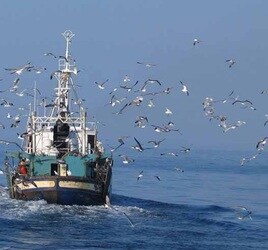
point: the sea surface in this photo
(194, 209)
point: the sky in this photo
(112, 36)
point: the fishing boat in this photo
(61, 159)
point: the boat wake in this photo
(131, 218)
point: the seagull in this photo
(55, 73)
(56, 173)
(261, 143)
(19, 70)
(184, 88)
(22, 93)
(157, 177)
(108, 205)
(228, 127)
(22, 136)
(138, 146)
(140, 175)
(121, 110)
(101, 85)
(6, 103)
(151, 104)
(141, 121)
(243, 213)
(115, 89)
(168, 112)
(121, 142)
(129, 88)
(38, 70)
(136, 101)
(126, 159)
(156, 143)
(113, 100)
(185, 150)
(126, 79)
(147, 65)
(11, 142)
(231, 62)
(266, 115)
(196, 41)
(264, 91)
(50, 54)
(2, 125)
(168, 129)
(170, 153)
(229, 97)
(158, 129)
(167, 90)
(149, 81)
(244, 103)
(16, 121)
(247, 159)
(78, 101)
(63, 57)
(69, 173)
(16, 81)
(179, 169)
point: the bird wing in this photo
(138, 143)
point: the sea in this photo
(195, 203)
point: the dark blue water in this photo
(194, 209)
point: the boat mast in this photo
(66, 67)
(60, 112)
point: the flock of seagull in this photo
(136, 95)
(129, 95)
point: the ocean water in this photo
(194, 209)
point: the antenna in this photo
(34, 108)
(68, 36)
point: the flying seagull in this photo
(157, 177)
(101, 85)
(50, 54)
(19, 70)
(151, 104)
(140, 175)
(168, 112)
(245, 103)
(185, 149)
(156, 143)
(126, 159)
(243, 213)
(121, 142)
(179, 169)
(139, 147)
(141, 121)
(261, 143)
(11, 142)
(231, 62)
(129, 88)
(184, 88)
(196, 41)
(149, 81)
(147, 65)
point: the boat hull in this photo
(62, 190)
